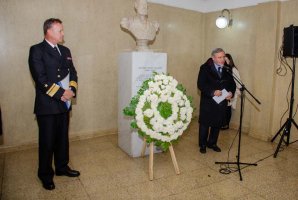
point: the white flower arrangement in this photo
(162, 111)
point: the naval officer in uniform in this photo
(55, 80)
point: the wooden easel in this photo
(151, 153)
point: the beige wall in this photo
(93, 34)
(95, 38)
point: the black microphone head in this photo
(227, 68)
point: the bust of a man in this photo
(140, 27)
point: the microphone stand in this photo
(242, 89)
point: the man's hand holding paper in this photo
(224, 95)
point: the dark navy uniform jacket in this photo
(47, 68)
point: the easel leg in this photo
(174, 160)
(144, 147)
(151, 162)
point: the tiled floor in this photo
(109, 173)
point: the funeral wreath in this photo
(161, 110)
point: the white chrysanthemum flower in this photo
(182, 117)
(157, 77)
(148, 113)
(181, 102)
(163, 98)
(142, 99)
(147, 93)
(159, 83)
(187, 104)
(153, 98)
(165, 81)
(174, 83)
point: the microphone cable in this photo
(283, 65)
(226, 168)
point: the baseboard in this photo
(72, 137)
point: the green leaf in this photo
(154, 73)
(165, 146)
(165, 109)
(141, 133)
(147, 122)
(149, 139)
(129, 111)
(147, 105)
(144, 87)
(181, 88)
(135, 100)
(133, 124)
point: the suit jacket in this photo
(211, 113)
(47, 68)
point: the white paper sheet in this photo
(224, 94)
(64, 83)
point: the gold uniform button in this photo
(58, 76)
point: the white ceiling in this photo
(209, 5)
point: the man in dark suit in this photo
(55, 80)
(213, 80)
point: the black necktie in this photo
(219, 71)
(56, 49)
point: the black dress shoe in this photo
(48, 185)
(214, 147)
(68, 172)
(225, 127)
(203, 149)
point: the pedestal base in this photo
(134, 68)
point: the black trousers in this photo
(53, 141)
(228, 115)
(204, 140)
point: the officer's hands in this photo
(67, 95)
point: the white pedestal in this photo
(134, 68)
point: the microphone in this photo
(228, 69)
